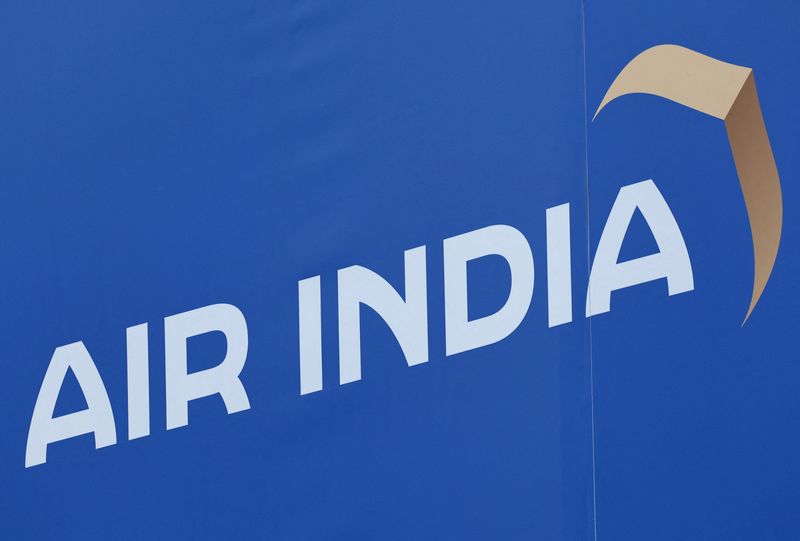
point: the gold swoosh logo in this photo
(727, 92)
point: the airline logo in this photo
(710, 86)
(727, 92)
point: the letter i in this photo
(310, 323)
(559, 267)
(138, 382)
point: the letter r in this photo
(223, 378)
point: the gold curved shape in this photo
(727, 92)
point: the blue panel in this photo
(696, 416)
(163, 156)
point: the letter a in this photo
(97, 417)
(670, 262)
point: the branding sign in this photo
(389, 240)
(729, 93)
(684, 76)
(404, 313)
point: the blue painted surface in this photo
(160, 157)
(696, 417)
